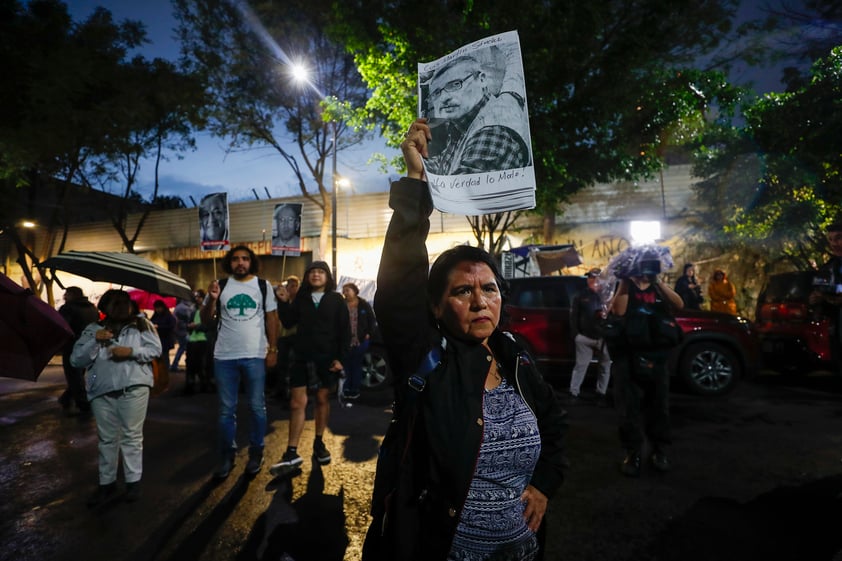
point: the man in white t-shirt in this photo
(246, 309)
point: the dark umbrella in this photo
(126, 269)
(31, 332)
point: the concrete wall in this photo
(595, 220)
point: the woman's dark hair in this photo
(447, 261)
(687, 266)
(254, 268)
(119, 311)
(353, 287)
(306, 288)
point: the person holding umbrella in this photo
(118, 354)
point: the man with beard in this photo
(247, 314)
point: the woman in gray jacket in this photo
(118, 353)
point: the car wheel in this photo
(709, 368)
(376, 373)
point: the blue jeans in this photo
(354, 367)
(228, 374)
(182, 349)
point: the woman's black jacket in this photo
(322, 331)
(442, 453)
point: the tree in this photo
(165, 106)
(591, 71)
(802, 32)
(52, 93)
(245, 54)
(780, 176)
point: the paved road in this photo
(757, 476)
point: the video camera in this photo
(649, 268)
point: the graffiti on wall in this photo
(601, 249)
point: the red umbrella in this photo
(146, 300)
(31, 332)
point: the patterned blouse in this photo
(492, 524)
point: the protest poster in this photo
(480, 157)
(213, 222)
(286, 229)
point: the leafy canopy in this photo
(779, 178)
(245, 54)
(607, 80)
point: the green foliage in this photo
(81, 111)
(606, 82)
(245, 55)
(777, 180)
(57, 91)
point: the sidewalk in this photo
(53, 375)
(48, 468)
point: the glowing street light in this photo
(301, 74)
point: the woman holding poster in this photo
(475, 447)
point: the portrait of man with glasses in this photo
(479, 123)
(286, 229)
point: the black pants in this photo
(641, 397)
(75, 378)
(198, 366)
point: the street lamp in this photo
(301, 75)
(335, 181)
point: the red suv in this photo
(717, 349)
(793, 336)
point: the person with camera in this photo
(641, 380)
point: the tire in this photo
(376, 373)
(709, 368)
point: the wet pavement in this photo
(757, 476)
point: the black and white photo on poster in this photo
(213, 222)
(474, 99)
(286, 229)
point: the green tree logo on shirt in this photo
(241, 302)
